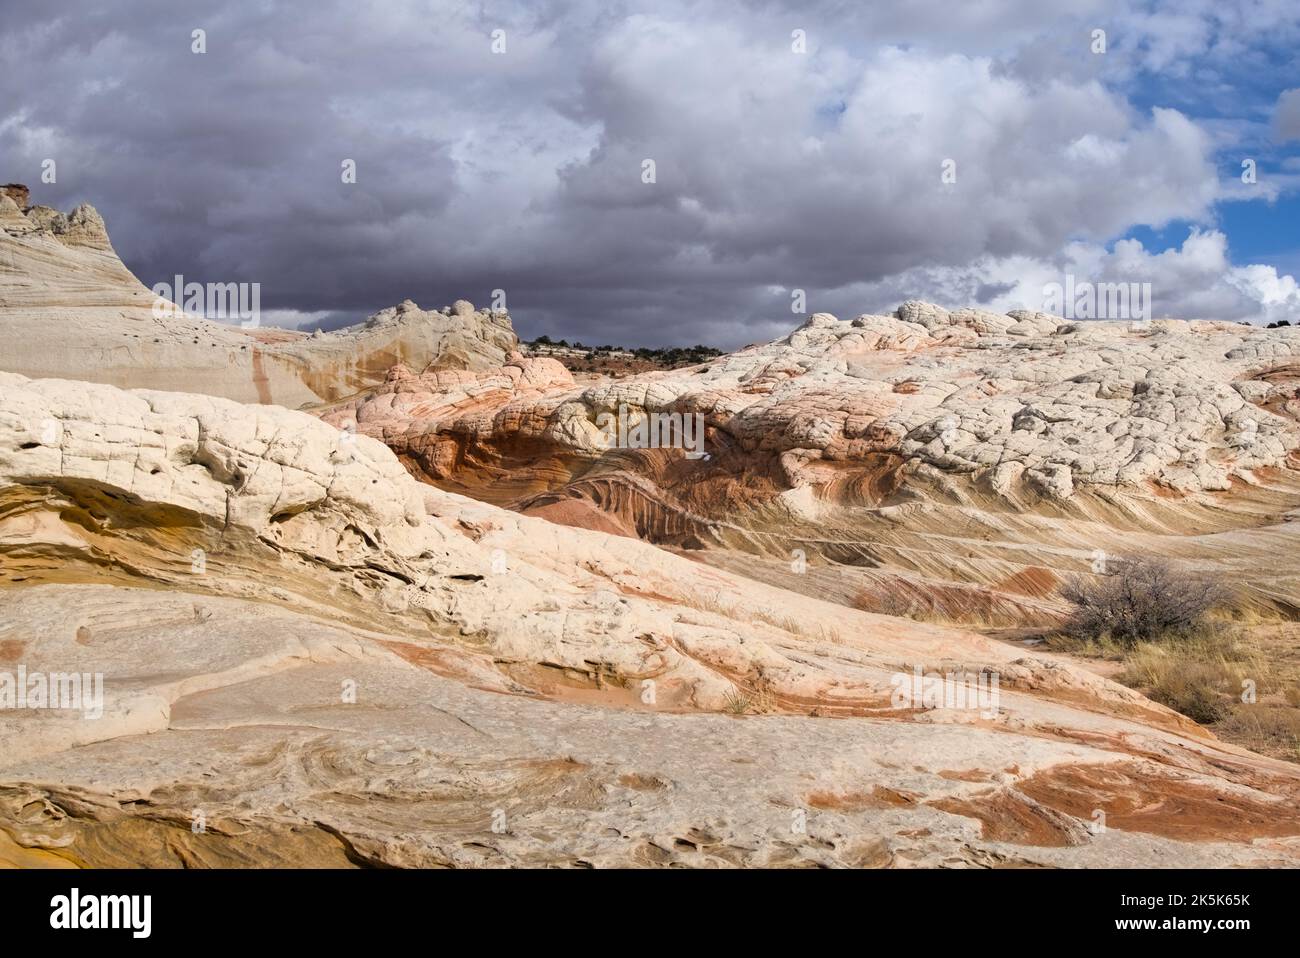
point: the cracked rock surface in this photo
(332, 663)
(1023, 400)
(957, 462)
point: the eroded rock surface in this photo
(70, 309)
(336, 664)
(968, 457)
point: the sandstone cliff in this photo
(69, 308)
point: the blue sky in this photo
(1258, 231)
(1238, 95)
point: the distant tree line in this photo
(674, 356)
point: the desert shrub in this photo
(1141, 600)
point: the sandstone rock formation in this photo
(335, 664)
(69, 308)
(965, 459)
(445, 620)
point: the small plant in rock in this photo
(736, 702)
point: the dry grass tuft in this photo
(1268, 729)
(1203, 671)
(736, 702)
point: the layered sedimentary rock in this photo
(70, 309)
(959, 461)
(569, 645)
(310, 657)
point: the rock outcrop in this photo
(471, 611)
(967, 459)
(19, 194)
(70, 309)
(335, 664)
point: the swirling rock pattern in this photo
(322, 661)
(963, 456)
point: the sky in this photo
(862, 154)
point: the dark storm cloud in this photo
(523, 171)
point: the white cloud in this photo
(1196, 280)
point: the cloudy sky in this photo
(782, 160)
